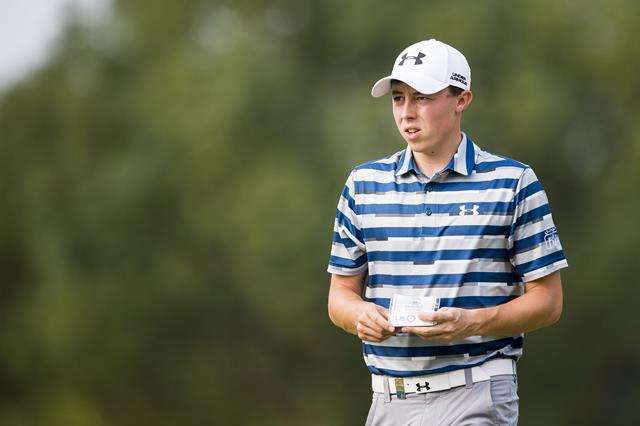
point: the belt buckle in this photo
(399, 382)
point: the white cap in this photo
(428, 66)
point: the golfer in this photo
(447, 219)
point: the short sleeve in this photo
(534, 244)
(348, 253)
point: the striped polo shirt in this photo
(471, 235)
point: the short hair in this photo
(455, 90)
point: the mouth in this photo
(412, 132)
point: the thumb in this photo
(427, 316)
(441, 315)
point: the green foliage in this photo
(169, 182)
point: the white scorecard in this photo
(404, 310)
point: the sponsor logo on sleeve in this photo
(551, 239)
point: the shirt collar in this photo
(463, 161)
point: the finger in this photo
(424, 330)
(383, 311)
(427, 316)
(426, 335)
(446, 314)
(364, 329)
(369, 336)
(381, 317)
(441, 315)
(370, 339)
(420, 331)
(375, 327)
(369, 321)
(381, 321)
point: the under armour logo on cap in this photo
(418, 59)
(438, 66)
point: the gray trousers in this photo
(491, 402)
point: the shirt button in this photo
(428, 212)
(428, 188)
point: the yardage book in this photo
(404, 310)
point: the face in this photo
(427, 121)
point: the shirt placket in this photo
(430, 208)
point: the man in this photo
(443, 218)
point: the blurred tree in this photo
(169, 183)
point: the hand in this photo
(372, 323)
(451, 324)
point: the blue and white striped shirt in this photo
(472, 235)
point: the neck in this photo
(436, 158)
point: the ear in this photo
(464, 101)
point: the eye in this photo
(397, 98)
(423, 98)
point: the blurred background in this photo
(169, 177)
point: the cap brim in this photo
(424, 85)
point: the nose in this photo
(408, 110)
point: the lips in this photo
(412, 132)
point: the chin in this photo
(420, 146)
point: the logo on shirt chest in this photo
(473, 211)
